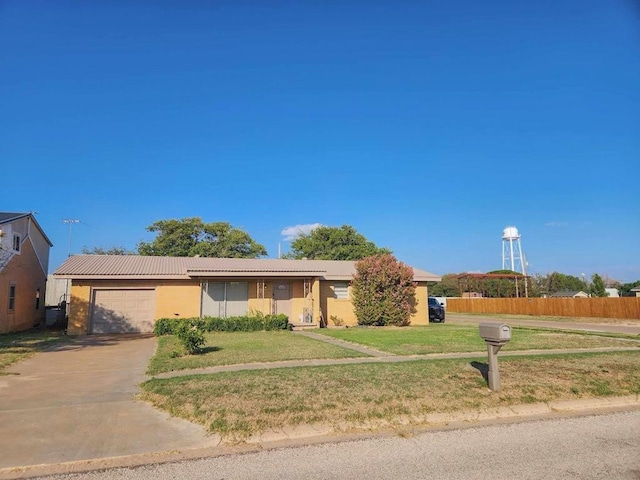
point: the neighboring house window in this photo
(16, 242)
(12, 298)
(38, 299)
(341, 290)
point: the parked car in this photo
(436, 310)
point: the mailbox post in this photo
(495, 335)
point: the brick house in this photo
(24, 261)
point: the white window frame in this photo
(17, 240)
(341, 290)
(11, 304)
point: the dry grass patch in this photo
(447, 338)
(228, 348)
(237, 405)
(15, 347)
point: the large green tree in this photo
(190, 237)
(383, 291)
(559, 281)
(333, 243)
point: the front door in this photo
(282, 298)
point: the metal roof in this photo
(148, 267)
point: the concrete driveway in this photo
(76, 402)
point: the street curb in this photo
(316, 435)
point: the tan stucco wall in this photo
(79, 306)
(343, 309)
(421, 317)
(331, 306)
(262, 305)
(180, 299)
(25, 272)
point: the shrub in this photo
(170, 326)
(191, 335)
(276, 322)
(383, 291)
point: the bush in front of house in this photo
(191, 336)
(383, 291)
(170, 326)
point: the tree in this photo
(625, 288)
(191, 236)
(333, 243)
(597, 286)
(106, 251)
(383, 291)
(559, 281)
(447, 287)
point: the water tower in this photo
(512, 256)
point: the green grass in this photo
(447, 338)
(227, 348)
(15, 347)
(237, 405)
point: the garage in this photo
(122, 310)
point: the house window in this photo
(37, 299)
(224, 299)
(341, 290)
(12, 298)
(16, 243)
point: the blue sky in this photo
(427, 126)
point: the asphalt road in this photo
(592, 447)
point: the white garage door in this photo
(123, 310)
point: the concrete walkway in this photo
(77, 402)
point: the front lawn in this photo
(237, 405)
(448, 338)
(228, 348)
(15, 347)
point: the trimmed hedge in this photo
(170, 326)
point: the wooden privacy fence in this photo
(601, 307)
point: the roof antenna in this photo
(70, 222)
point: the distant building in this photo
(569, 294)
(471, 295)
(636, 291)
(24, 261)
(613, 292)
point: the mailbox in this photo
(495, 332)
(495, 335)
